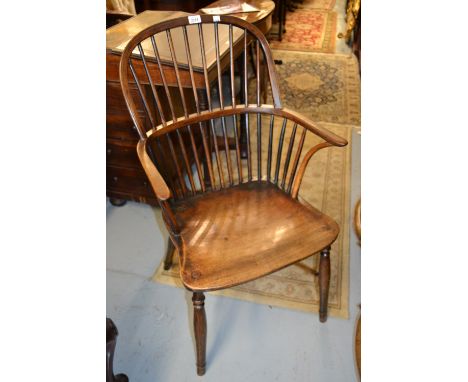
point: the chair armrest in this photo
(155, 178)
(330, 137)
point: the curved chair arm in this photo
(330, 137)
(155, 178)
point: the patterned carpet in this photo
(324, 86)
(310, 30)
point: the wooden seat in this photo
(242, 233)
(233, 218)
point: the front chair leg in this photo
(324, 282)
(199, 324)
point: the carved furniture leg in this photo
(111, 339)
(324, 282)
(169, 255)
(199, 324)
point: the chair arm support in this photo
(327, 135)
(155, 178)
(303, 166)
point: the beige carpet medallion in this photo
(324, 86)
(326, 186)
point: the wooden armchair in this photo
(231, 219)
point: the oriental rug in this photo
(325, 87)
(316, 4)
(309, 30)
(326, 185)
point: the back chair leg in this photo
(324, 282)
(169, 255)
(199, 324)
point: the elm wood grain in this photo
(232, 231)
(244, 232)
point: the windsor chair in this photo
(231, 219)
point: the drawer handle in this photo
(115, 178)
(109, 151)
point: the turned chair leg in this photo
(199, 324)
(324, 282)
(169, 255)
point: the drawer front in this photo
(118, 121)
(119, 155)
(128, 180)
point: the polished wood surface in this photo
(241, 233)
(232, 219)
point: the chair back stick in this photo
(189, 60)
(238, 155)
(176, 69)
(141, 130)
(270, 147)
(218, 67)
(186, 160)
(259, 147)
(163, 78)
(196, 157)
(218, 157)
(288, 155)
(153, 89)
(296, 159)
(205, 70)
(231, 67)
(207, 150)
(280, 149)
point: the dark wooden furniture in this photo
(115, 17)
(111, 340)
(190, 6)
(232, 220)
(125, 178)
